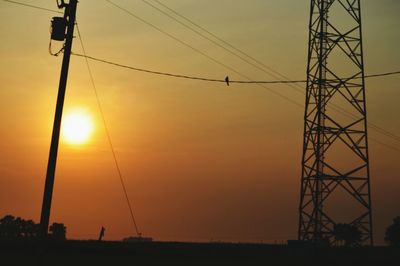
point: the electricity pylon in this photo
(335, 182)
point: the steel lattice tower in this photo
(335, 182)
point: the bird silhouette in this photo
(227, 80)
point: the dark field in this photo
(169, 253)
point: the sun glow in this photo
(77, 127)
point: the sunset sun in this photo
(77, 127)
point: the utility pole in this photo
(68, 23)
(335, 181)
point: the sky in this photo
(201, 161)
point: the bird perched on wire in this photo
(227, 80)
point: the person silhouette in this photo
(102, 230)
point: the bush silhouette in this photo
(392, 235)
(347, 234)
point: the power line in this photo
(293, 85)
(261, 66)
(185, 76)
(394, 148)
(235, 54)
(33, 6)
(383, 74)
(207, 38)
(100, 110)
(212, 79)
(222, 41)
(255, 63)
(266, 69)
(108, 133)
(380, 130)
(130, 13)
(276, 73)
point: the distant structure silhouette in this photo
(137, 239)
(335, 161)
(58, 231)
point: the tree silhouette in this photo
(8, 228)
(392, 235)
(347, 234)
(17, 228)
(12, 228)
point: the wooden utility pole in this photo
(69, 18)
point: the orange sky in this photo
(201, 161)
